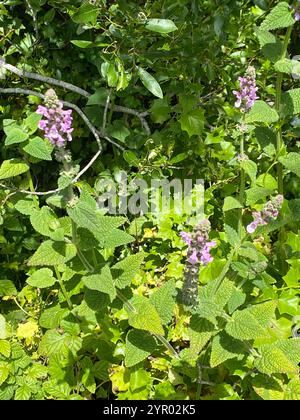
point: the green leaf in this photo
(82, 44)
(261, 112)
(99, 97)
(55, 343)
(41, 278)
(200, 332)
(256, 194)
(267, 388)
(225, 347)
(162, 26)
(231, 203)
(279, 17)
(124, 271)
(5, 348)
(7, 288)
(144, 316)
(291, 102)
(26, 206)
(291, 162)
(250, 168)
(237, 299)
(282, 356)
(267, 140)
(287, 66)
(39, 148)
(23, 393)
(150, 83)
(252, 322)
(163, 299)
(293, 240)
(52, 317)
(139, 345)
(160, 110)
(3, 329)
(12, 167)
(270, 45)
(193, 122)
(4, 372)
(53, 253)
(231, 235)
(15, 135)
(87, 13)
(44, 221)
(31, 123)
(293, 275)
(102, 282)
(118, 130)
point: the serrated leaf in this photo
(291, 162)
(225, 347)
(200, 331)
(231, 235)
(290, 102)
(231, 203)
(251, 323)
(150, 83)
(270, 45)
(261, 112)
(5, 348)
(124, 271)
(282, 356)
(44, 221)
(15, 135)
(53, 253)
(292, 390)
(268, 388)
(31, 123)
(288, 66)
(267, 140)
(237, 299)
(55, 343)
(192, 122)
(3, 329)
(23, 393)
(145, 316)
(162, 26)
(7, 288)
(293, 240)
(4, 372)
(163, 299)
(103, 282)
(12, 167)
(255, 194)
(250, 168)
(51, 317)
(279, 17)
(139, 345)
(41, 278)
(25, 206)
(39, 148)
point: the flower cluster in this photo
(57, 122)
(198, 253)
(246, 96)
(296, 11)
(269, 212)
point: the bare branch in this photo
(73, 88)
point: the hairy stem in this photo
(63, 289)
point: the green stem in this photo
(82, 258)
(225, 269)
(31, 187)
(63, 289)
(168, 346)
(277, 107)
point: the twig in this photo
(35, 23)
(73, 88)
(105, 111)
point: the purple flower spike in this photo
(246, 96)
(186, 237)
(193, 259)
(269, 212)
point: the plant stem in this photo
(82, 258)
(277, 107)
(168, 346)
(63, 289)
(31, 187)
(242, 184)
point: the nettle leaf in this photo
(41, 278)
(162, 26)
(145, 316)
(261, 112)
(255, 194)
(39, 148)
(225, 347)
(103, 282)
(200, 332)
(279, 17)
(87, 13)
(293, 240)
(293, 275)
(231, 235)
(15, 135)
(53, 253)
(270, 45)
(231, 203)
(4, 371)
(23, 393)
(150, 83)
(25, 206)
(163, 299)
(290, 102)
(268, 388)
(118, 130)
(31, 123)
(292, 390)
(52, 317)
(291, 162)
(7, 288)
(3, 328)
(282, 356)
(124, 271)
(13, 167)
(55, 343)
(5, 348)
(251, 323)
(193, 122)
(267, 140)
(139, 345)
(44, 221)
(250, 168)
